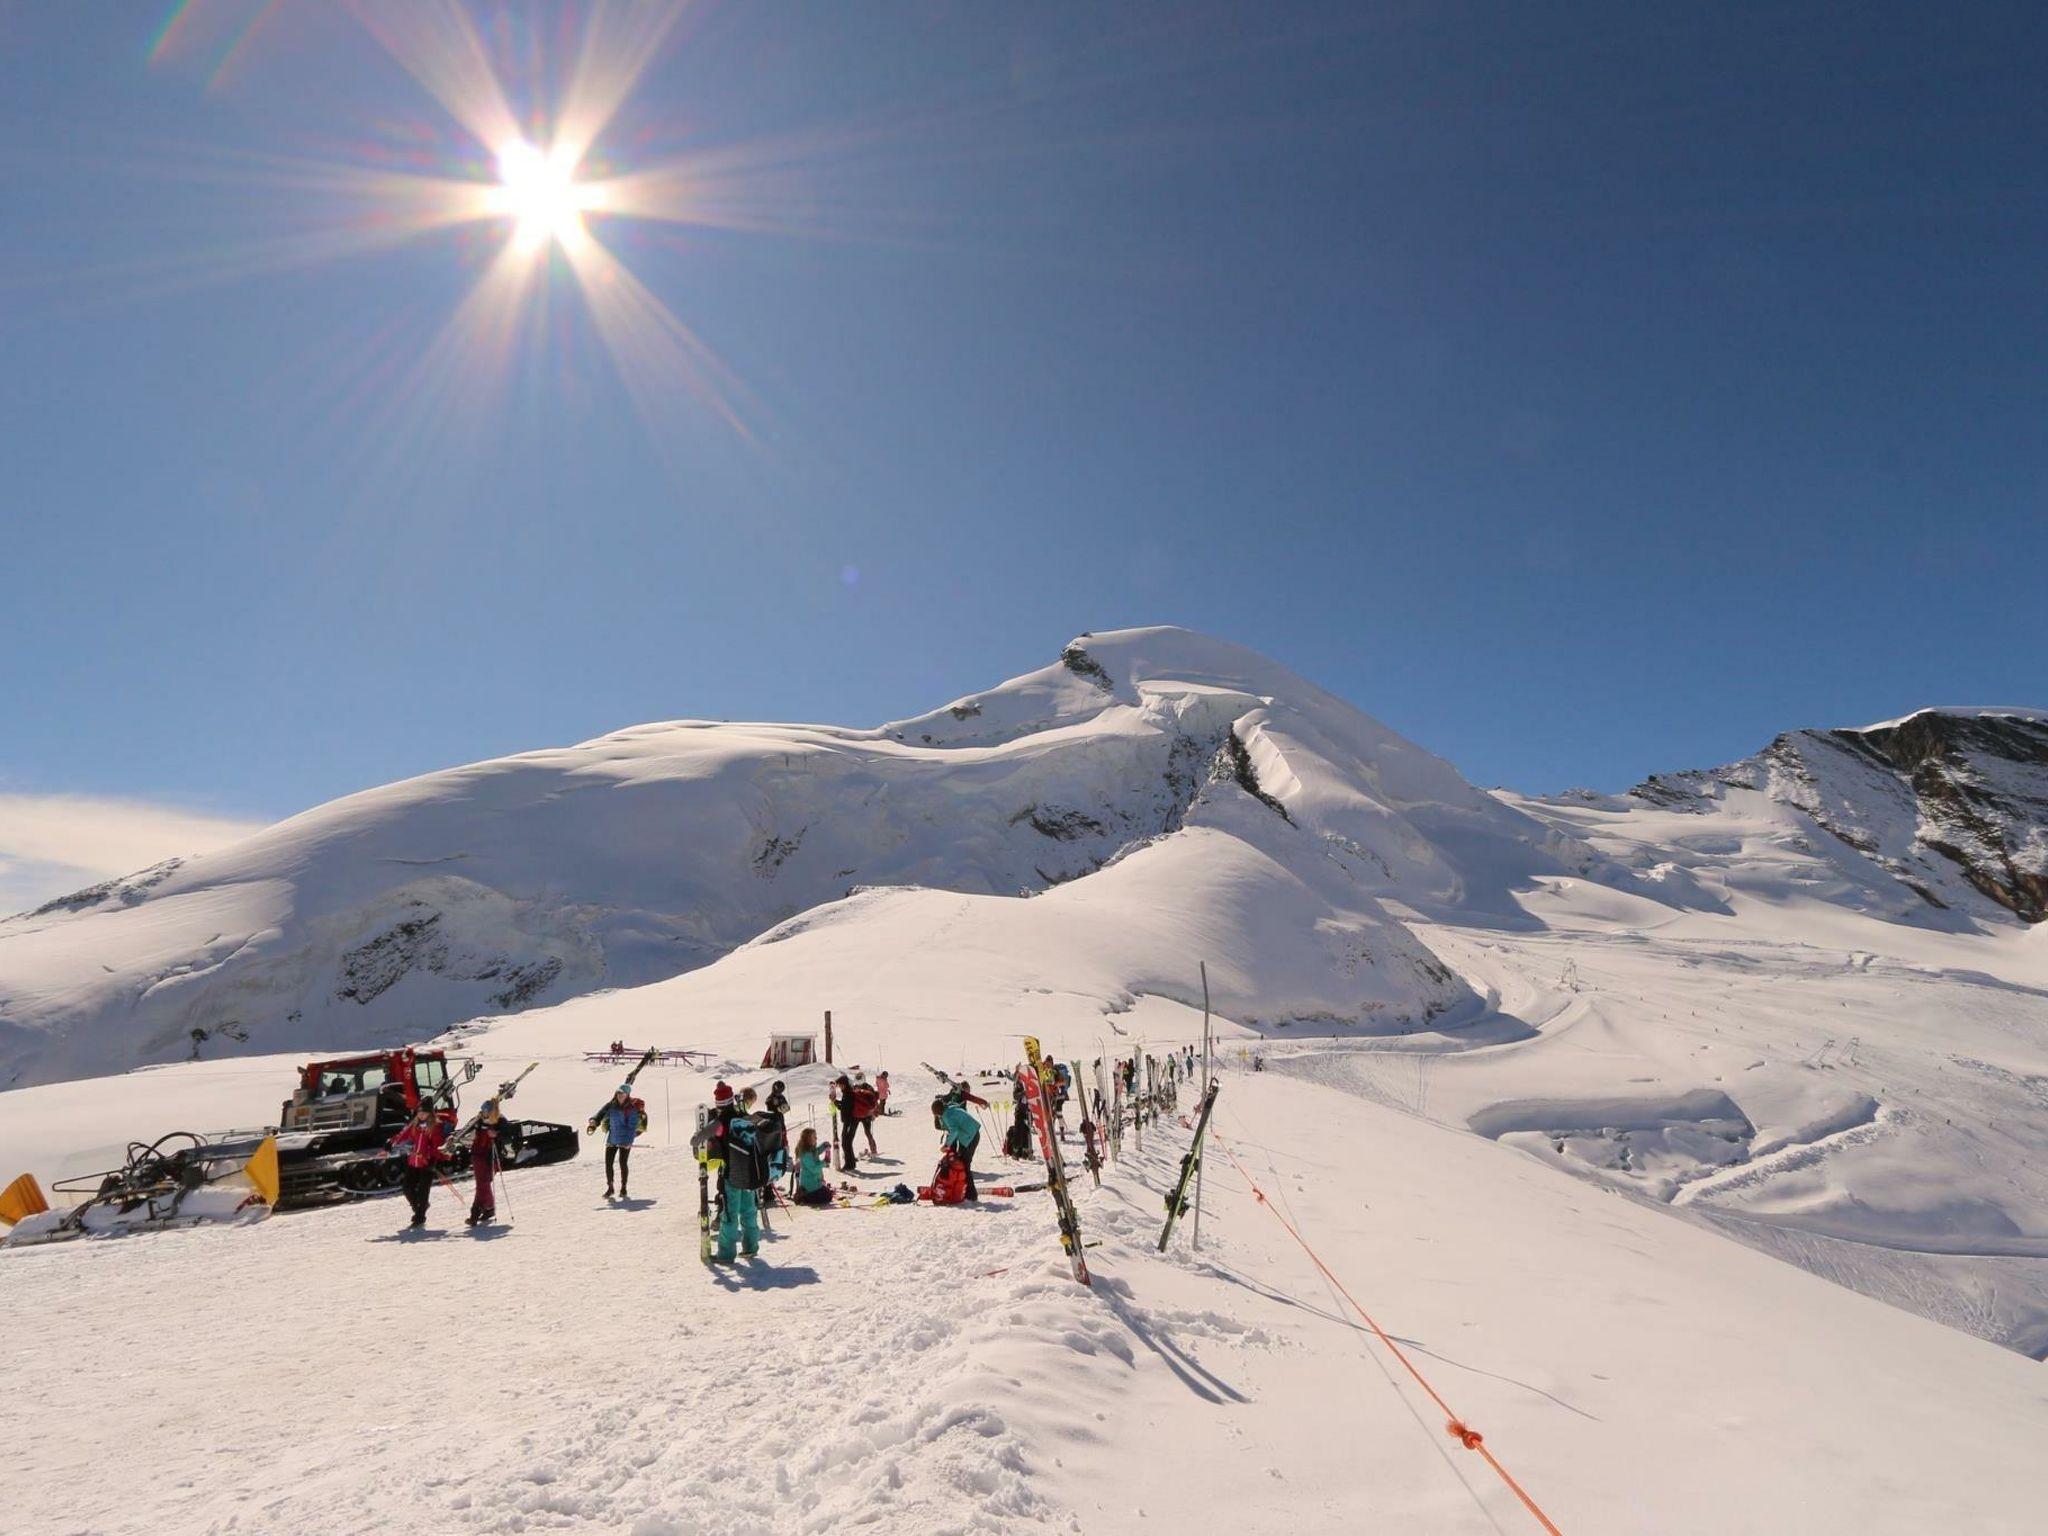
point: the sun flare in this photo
(538, 191)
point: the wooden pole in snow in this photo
(828, 1037)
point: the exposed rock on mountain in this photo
(1947, 801)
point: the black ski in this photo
(1091, 1141)
(1177, 1202)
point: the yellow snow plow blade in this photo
(261, 1170)
(24, 1197)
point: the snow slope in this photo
(1532, 1064)
(935, 1371)
(396, 912)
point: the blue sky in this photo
(1583, 392)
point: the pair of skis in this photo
(1177, 1202)
(505, 1091)
(705, 1163)
(1034, 1081)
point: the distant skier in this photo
(483, 1162)
(960, 1093)
(625, 1118)
(735, 1146)
(423, 1144)
(811, 1188)
(841, 1095)
(882, 1094)
(961, 1129)
(866, 1105)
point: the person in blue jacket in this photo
(625, 1118)
(961, 1129)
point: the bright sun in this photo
(539, 192)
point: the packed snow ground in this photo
(937, 1371)
(1531, 1064)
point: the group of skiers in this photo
(749, 1145)
(424, 1143)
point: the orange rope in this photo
(1456, 1427)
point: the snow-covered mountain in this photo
(1530, 1063)
(1782, 997)
(1143, 770)
(1952, 803)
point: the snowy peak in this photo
(1952, 803)
(1140, 764)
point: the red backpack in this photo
(864, 1101)
(949, 1183)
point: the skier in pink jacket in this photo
(423, 1145)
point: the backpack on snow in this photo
(949, 1183)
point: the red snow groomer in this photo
(334, 1129)
(331, 1143)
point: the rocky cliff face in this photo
(1951, 802)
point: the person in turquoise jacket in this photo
(961, 1129)
(811, 1188)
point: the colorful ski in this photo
(997, 1191)
(1177, 1202)
(1032, 1083)
(702, 1142)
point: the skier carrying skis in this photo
(811, 1188)
(866, 1103)
(735, 1147)
(483, 1162)
(841, 1095)
(961, 1128)
(421, 1143)
(625, 1118)
(960, 1093)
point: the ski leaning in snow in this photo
(1031, 1082)
(702, 1142)
(1177, 1202)
(1091, 1154)
(631, 1077)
